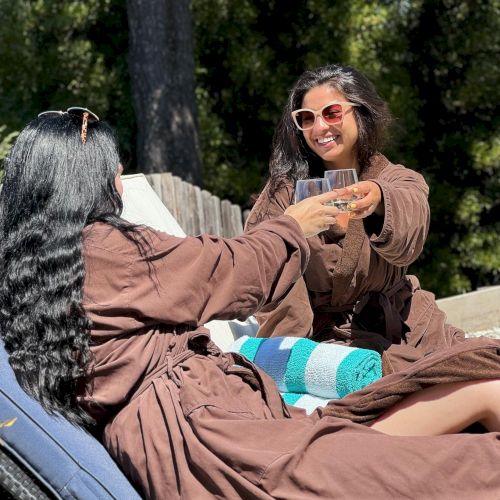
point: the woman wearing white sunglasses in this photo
(356, 289)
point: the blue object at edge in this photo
(65, 458)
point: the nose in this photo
(320, 125)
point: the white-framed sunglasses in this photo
(331, 113)
(85, 114)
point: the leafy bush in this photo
(5, 145)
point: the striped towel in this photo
(303, 367)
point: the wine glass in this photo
(304, 188)
(338, 179)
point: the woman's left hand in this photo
(371, 201)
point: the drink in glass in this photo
(338, 179)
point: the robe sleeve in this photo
(293, 315)
(407, 216)
(196, 279)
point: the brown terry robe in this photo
(184, 420)
(356, 289)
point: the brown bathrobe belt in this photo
(233, 363)
(393, 330)
(179, 353)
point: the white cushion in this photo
(141, 205)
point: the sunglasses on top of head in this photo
(85, 114)
(332, 114)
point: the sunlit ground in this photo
(494, 333)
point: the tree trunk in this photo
(161, 64)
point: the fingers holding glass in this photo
(312, 208)
(342, 182)
(369, 202)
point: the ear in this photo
(118, 180)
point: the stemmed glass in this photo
(338, 179)
(304, 188)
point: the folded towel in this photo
(303, 366)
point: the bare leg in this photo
(444, 409)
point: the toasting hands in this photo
(313, 215)
(369, 202)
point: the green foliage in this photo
(453, 45)
(244, 69)
(6, 141)
(57, 54)
(5, 145)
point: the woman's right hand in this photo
(312, 215)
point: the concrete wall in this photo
(474, 311)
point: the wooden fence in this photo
(196, 210)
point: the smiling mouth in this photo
(327, 140)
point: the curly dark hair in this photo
(54, 186)
(291, 157)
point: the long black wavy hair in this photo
(54, 186)
(291, 157)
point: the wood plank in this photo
(231, 219)
(167, 192)
(212, 213)
(192, 219)
(180, 203)
(237, 220)
(196, 206)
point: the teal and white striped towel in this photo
(302, 366)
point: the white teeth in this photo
(324, 140)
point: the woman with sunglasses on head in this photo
(355, 289)
(103, 320)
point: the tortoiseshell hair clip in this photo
(85, 114)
